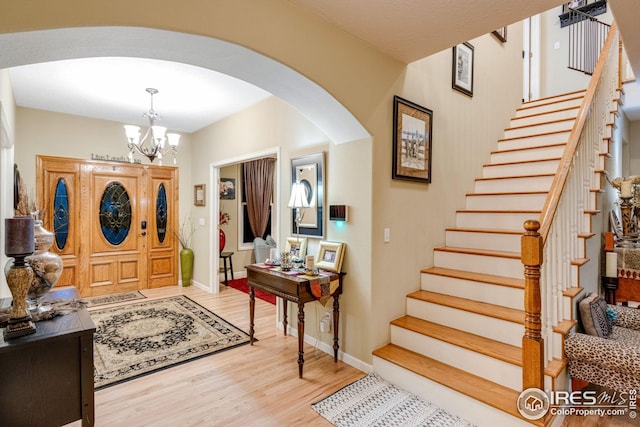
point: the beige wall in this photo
(358, 174)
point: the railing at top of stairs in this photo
(586, 39)
(554, 238)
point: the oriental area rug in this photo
(371, 401)
(140, 338)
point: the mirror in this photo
(309, 170)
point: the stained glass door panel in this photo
(117, 257)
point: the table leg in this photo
(252, 307)
(300, 338)
(224, 260)
(336, 321)
(231, 266)
(284, 316)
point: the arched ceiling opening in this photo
(311, 100)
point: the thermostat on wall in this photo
(338, 213)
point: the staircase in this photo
(459, 345)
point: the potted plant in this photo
(223, 219)
(186, 253)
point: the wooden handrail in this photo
(557, 186)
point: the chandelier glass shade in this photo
(152, 144)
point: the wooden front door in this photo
(118, 234)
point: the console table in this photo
(297, 288)
(46, 379)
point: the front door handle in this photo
(144, 233)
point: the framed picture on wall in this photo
(411, 141)
(199, 195)
(500, 34)
(462, 69)
(227, 188)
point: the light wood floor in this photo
(247, 386)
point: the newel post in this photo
(532, 342)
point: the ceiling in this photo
(192, 97)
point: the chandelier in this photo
(152, 143)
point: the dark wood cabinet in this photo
(46, 379)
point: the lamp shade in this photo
(298, 197)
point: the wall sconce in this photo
(338, 213)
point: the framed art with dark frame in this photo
(412, 137)
(310, 171)
(500, 34)
(462, 68)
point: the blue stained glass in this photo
(61, 213)
(161, 213)
(115, 213)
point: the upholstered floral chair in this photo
(608, 352)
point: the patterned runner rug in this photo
(371, 401)
(113, 298)
(140, 338)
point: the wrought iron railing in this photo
(586, 39)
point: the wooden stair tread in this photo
(506, 194)
(528, 116)
(551, 100)
(554, 97)
(534, 135)
(537, 175)
(521, 162)
(548, 122)
(572, 292)
(492, 348)
(485, 252)
(496, 211)
(509, 150)
(476, 277)
(485, 391)
(484, 230)
(482, 308)
(565, 326)
(479, 344)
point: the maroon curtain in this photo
(258, 179)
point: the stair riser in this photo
(479, 291)
(507, 267)
(517, 185)
(514, 132)
(552, 99)
(495, 370)
(487, 241)
(547, 117)
(529, 110)
(520, 169)
(533, 201)
(496, 329)
(552, 152)
(472, 410)
(497, 221)
(534, 141)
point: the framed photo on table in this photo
(462, 68)
(297, 246)
(329, 256)
(412, 136)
